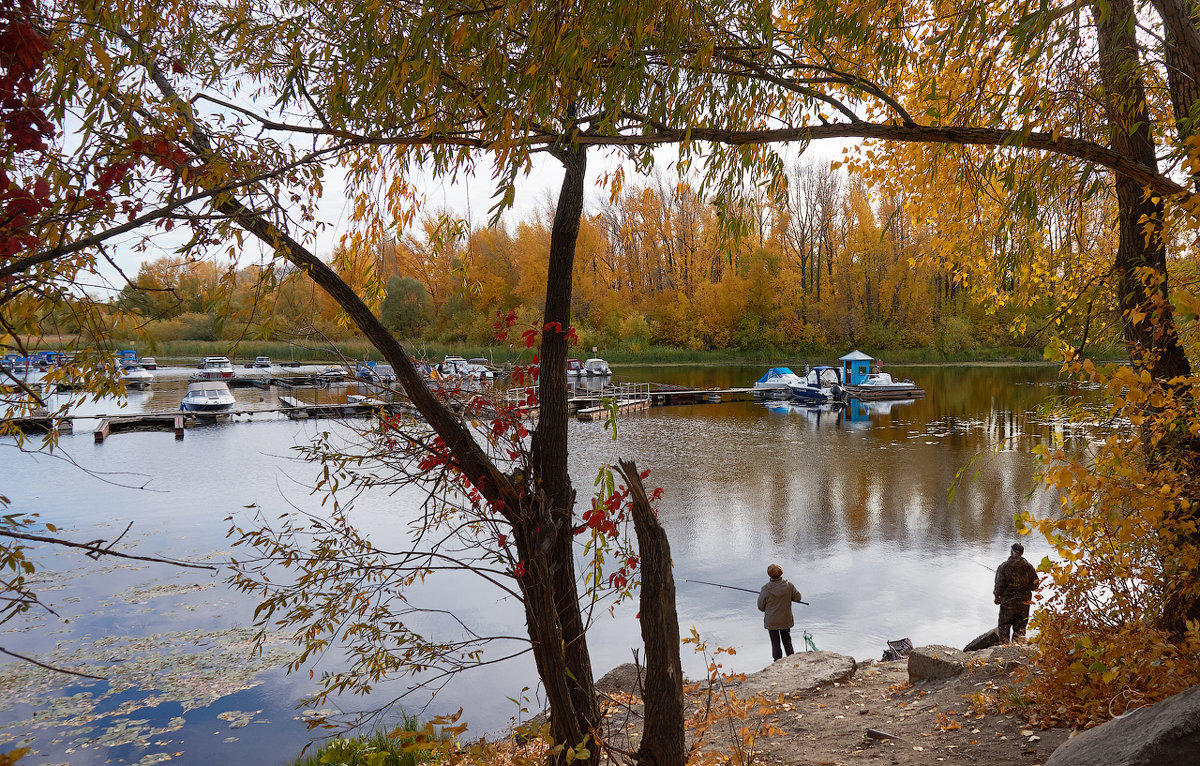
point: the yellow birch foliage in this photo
(1127, 548)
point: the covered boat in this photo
(207, 397)
(595, 367)
(776, 384)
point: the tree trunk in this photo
(663, 742)
(1141, 267)
(551, 480)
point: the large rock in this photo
(934, 663)
(983, 641)
(799, 672)
(1166, 733)
(622, 678)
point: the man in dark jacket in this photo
(775, 602)
(1016, 580)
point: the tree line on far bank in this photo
(826, 266)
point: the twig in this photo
(49, 667)
(94, 550)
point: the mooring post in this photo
(102, 431)
(179, 426)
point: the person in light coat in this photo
(775, 602)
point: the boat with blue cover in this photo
(776, 383)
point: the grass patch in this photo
(375, 749)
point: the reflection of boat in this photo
(214, 368)
(862, 382)
(136, 376)
(775, 384)
(820, 384)
(207, 397)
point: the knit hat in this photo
(775, 570)
(1018, 548)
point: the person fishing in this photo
(775, 602)
(1016, 580)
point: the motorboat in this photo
(862, 379)
(149, 362)
(880, 385)
(135, 376)
(207, 397)
(457, 367)
(574, 367)
(375, 373)
(595, 367)
(262, 361)
(819, 384)
(776, 384)
(333, 374)
(214, 368)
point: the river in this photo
(854, 505)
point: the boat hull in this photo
(205, 409)
(875, 393)
(814, 395)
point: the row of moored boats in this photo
(858, 377)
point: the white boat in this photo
(820, 384)
(595, 367)
(879, 384)
(334, 374)
(209, 397)
(149, 362)
(375, 373)
(864, 380)
(776, 384)
(457, 367)
(214, 368)
(136, 376)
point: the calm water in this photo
(853, 504)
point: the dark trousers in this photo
(1014, 616)
(784, 636)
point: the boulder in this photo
(622, 678)
(1165, 733)
(799, 672)
(933, 663)
(983, 641)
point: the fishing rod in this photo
(734, 587)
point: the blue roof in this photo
(857, 356)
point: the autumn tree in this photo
(406, 308)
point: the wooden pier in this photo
(147, 421)
(586, 405)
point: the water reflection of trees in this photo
(808, 483)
